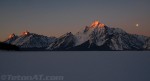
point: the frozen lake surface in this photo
(79, 66)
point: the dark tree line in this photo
(5, 46)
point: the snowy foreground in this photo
(78, 66)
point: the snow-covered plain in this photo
(79, 66)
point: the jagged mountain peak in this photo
(96, 30)
(96, 36)
(64, 42)
(67, 34)
(30, 40)
(25, 33)
(11, 36)
(97, 24)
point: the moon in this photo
(137, 25)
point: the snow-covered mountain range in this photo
(96, 37)
(30, 40)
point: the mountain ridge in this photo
(30, 40)
(96, 37)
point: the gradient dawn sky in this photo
(57, 17)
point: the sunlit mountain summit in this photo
(100, 37)
(27, 40)
(97, 24)
(95, 37)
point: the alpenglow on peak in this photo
(97, 24)
(25, 33)
(11, 36)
